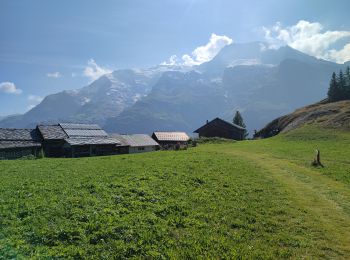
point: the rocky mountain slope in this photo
(262, 83)
(262, 91)
(106, 97)
(324, 113)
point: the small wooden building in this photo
(54, 139)
(17, 143)
(138, 143)
(76, 140)
(221, 128)
(168, 140)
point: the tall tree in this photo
(333, 91)
(347, 82)
(342, 86)
(238, 120)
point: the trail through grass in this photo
(326, 201)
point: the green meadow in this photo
(249, 199)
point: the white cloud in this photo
(54, 75)
(93, 71)
(202, 53)
(35, 98)
(340, 56)
(171, 61)
(10, 88)
(310, 38)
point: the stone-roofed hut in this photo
(17, 143)
(53, 138)
(221, 128)
(169, 139)
(138, 143)
(77, 140)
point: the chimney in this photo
(207, 121)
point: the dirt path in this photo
(325, 200)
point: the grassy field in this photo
(251, 199)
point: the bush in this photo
(28, 157)
(214, 140)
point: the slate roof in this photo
(120, 139)
(83, 130)
(12, 134)
(138, 140)
(219, 120)
(80, 126)
(18, 144)
(12, 138)
(171, 136)
(52, 132)
(92, 141)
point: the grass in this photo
(251, 199)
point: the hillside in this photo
(334, 115)
(250, 199)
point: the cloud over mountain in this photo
(202, 53)
(10, 88)
(94, 71)
(310, 38)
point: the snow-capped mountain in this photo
(262, 83)
(105, 97)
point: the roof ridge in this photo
(226, 122)
(8, 128)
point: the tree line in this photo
(339, 87)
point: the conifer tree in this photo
(333, 91)
(341, 79)
(238, 120)
(342, 86)
(339, 86)
(347, 82)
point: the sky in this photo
(50, 46)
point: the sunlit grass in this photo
(253, 199)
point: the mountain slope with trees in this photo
(333, 115)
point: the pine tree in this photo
(333, 91)
(238, 120)
(347, 75)
(347, 83)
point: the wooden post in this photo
(317, 160)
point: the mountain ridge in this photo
(263, 83)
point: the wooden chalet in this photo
(169, 139)
(76, 140)
(17, 143)
(137, 143)
(221, 128)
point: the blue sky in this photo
(45, 45)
